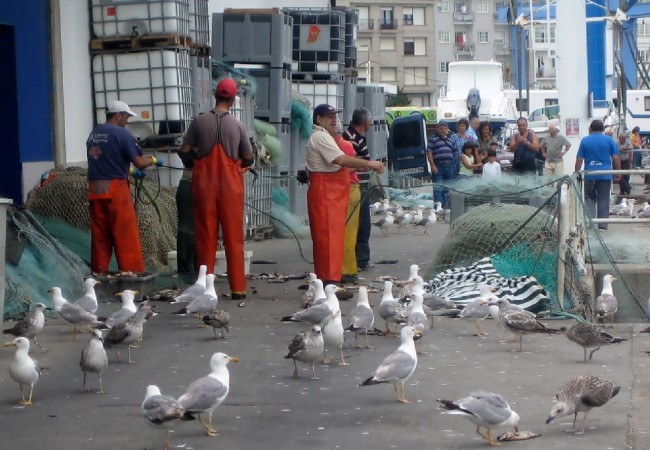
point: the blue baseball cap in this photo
(323, 110)
(443, 122)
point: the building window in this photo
(387, 44)
(540, 34)
(483, 7)
(444, 67)
(415, 76)
(444, 37)
(552, 34)
(363, 44)
(483, 37)
(365, 23)
(387, 74)
(499, 37)
(643, 56)
(442, 6)
(413, 16)
(415, 46)
(643, 30)
(460, 7)
(386, 19)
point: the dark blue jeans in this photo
(440, 193)
(597, 199)
(362, 248)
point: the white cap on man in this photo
(118, 106)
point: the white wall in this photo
(77, 86)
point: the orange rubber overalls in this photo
(218, 196)
(114, 225)
(327, 200)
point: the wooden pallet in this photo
(201, 50)
(140, 42)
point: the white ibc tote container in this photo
(145, 17)
(156, 83)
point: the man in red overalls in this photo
(328, 194)
(218, 149)
(111, 149)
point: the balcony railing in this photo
(366, 24)
(387, 24)
(463, 18)
(501, 49)
(464, 48)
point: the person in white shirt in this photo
(492, 168)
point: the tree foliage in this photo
(400, 99)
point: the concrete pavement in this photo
(266, 409)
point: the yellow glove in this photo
(154, 160)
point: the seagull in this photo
(399, 365)
(205, 302)
(414, 269)
(128, 332)
(308, 296)
(71, 313)
(89, 300)
(127, 310)
(644, 212)
(587, 335)
(218, 318)
(416, 318)
(361, 317)
(94, 359)
(192, 291)
(206, 394)
(620, 209)
(520, 322)
(494, 313)
(479, 309)
(390, 310)
(433, 305)
(159, 410)
(333, 336)
(23, 369)
(317, 313)
(426, 222)
(581, 394)
(403, 221)
(30, 326)
(385, 223)
(484, 409)
(319, 294)
(308, 347)
(606, 303)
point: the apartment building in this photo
(410, 44)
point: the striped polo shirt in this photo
(442, 150)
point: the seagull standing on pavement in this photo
(361, 317)
(30, 326)
(607, 303)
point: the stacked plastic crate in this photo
(350, 73)
(258, 44)
(319, 54)
(142, 54)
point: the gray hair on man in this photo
(360, 116)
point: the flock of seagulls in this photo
(323, 338)
(123, 329)
(412, 310)
(395, 217)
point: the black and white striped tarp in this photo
(461, 285)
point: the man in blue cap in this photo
(440, 153)
(327, 197)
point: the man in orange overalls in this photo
(218, 149)
(328, 194)
(111, 149)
